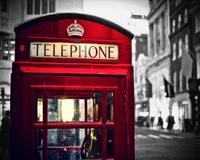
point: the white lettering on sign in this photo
(74, 50)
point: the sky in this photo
(118, 11)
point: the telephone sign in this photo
(73, 50)
(72, 90)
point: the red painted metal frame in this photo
(119, 119)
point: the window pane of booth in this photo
(39, 143)
(110, 143)
(63, 154)
(75, 107)
(65, 137)
(39, 110)
(39, 155)
(74, 143)
(39, 138)
(110, 106)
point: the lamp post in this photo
(2, 100)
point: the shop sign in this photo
(74, 50)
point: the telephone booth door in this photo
(75, 121)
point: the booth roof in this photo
(54, 16)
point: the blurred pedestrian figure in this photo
(152, 121)
(160, 122)
(140, 121)
(5, 135)
(182, 123)
(170, 120)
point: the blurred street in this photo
(164, 145)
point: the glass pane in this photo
(12, 46)
(110, 143)
(4, 6)
(39, 143)
(51, 6)
(63, 137)
(39, 138)
(74, 143)
(75, 107)
(5, 46)
(39, 110)
(44, 6)
(29, 6)
(110, 106)
(39, 155)
(53, 109)
(94, 112)
(63, 155)
(37, 6)
(92, 144)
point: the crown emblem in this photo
(75, 29)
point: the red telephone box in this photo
(72, 90)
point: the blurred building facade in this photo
(184, 37)
(174, 29)
(159, 59)
(194, 12)
(13, 12)
(180, 34)
(141, 100)
(140, 61)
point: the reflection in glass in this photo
(39, 143)
(92, 144)
(39, 110)
(63, 154)
(39, 136)
(110, 106)
(39, 155)
(110, 143)
(85, 106)
(75, 143)
(64, 137)
(97, 107)
(53, 110)
(66, 110)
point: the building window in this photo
(29, 6)
(174, 52)
(157, 35)
(37, 6)
(4, 6)
(198, 62)
(175, 81)
(151, 37)
(44, 7)
(40, 6)
(7, 49)
(179, 21)
(173, 25)
(197, 23)
(180, 81)
(179, 48)
(185, 15)
(163, 28)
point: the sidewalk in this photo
(176, 132)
